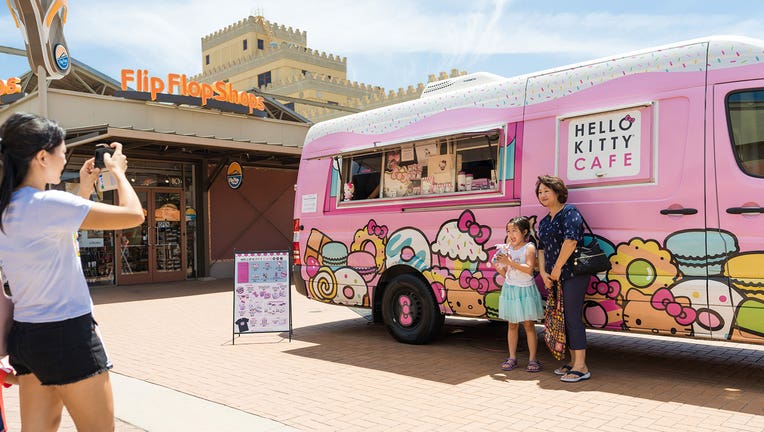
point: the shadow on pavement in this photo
(706, 374)
(128, 293)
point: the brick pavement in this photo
(343, 373)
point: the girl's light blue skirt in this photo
(520, 303)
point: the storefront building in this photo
(212, 178)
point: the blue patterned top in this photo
(567, 224)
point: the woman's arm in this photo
(548, 282)
(567, 249)
(128, 212)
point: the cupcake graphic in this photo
(459, 244)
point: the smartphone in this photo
(99, 152)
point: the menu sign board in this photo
(261, 293)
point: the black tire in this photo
(410, 311)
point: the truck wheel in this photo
(410, 311)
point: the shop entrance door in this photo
(156, 250)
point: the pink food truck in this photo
(399, 209)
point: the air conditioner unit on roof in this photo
(458, 83)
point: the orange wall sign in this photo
(10, 86)
(181, 85)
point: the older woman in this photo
(558, 233)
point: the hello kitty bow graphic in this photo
(467, 281)
(467, 224)
(663, 299)
(609, 289)
(377, 230)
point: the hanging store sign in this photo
(234, 175)
(179, 84)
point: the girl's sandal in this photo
(509, 364)
(533, 366)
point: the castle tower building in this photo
(274, 59)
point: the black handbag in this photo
(589, 259)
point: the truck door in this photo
(737, 210)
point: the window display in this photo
(451, 164)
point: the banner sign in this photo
(262, 293)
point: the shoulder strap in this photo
(583, 220)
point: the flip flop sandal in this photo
(563, 370)
(579, 376)
(533, 366)
(509, 364)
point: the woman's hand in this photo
(548, 281)
(556, 272)
(88, 176)
(117, 162)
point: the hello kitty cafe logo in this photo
(604, 145)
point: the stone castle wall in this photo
(251, 25)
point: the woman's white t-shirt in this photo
(40, 255)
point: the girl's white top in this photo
(40, 255)
(516, 277)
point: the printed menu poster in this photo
(261, 292)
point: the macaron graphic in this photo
(746, 275)
(701, 252)
(334, 255)
(364, 263)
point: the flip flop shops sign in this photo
(180, 84)
(10, 86)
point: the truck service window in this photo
(453, 164)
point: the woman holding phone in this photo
(54, 343)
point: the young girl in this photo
(520, 301)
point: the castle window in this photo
(245, 44)
(260, 44)
(207, 59)
(264, 79)
(332, 103)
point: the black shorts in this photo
(60, 352)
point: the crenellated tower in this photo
(257, 54)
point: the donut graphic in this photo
(408, 246)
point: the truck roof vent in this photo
(458, 83)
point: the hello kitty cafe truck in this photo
(399, 209)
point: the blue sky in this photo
(392, 43)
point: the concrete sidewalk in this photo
(160, 409)
(142, 406)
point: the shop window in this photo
(244, 45)
(264, 79)
(458, 164)
(260, 44)
(745, 111)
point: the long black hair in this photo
(22, 136)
